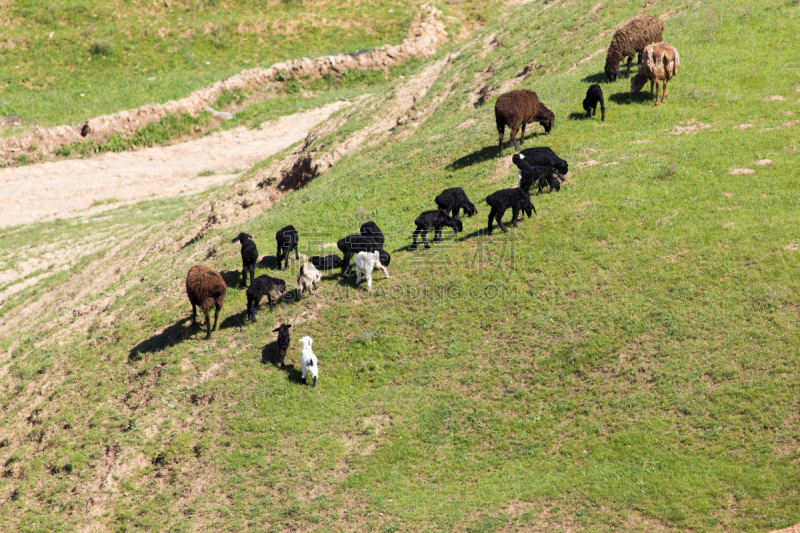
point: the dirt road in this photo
(69, 188)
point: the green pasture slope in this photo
(65, 61)
(624, 361)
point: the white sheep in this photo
(307, 279)
(308, 361)
(365, 263)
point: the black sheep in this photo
(329, 262)
(371, 229)
(594, 95)
(249, 256)
(352, 244)
(435, 219)
(453, 200)
(541, 176)
(516, 199)
(544, 157)
(262, 286)
(287, 239)
(283, 342)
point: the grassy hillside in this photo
(624, 361)
(64, 62)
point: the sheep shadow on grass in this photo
(235, 321)
(232, 278)
(577, 116)
(627, 98)
(598, 77)
(171, 336)
(478, 156)
(271, 355)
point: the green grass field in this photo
(64, 62)
(624, 361)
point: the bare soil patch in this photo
(739, 171)
(68, 188)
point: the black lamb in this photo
(329, 262)
(435, 219)
(352, 244)
(260, 287)
(249, 256)
(371, 229)
(283, 342)
(453, 200)
(545, 157)
(287, 239)
(536, 174)
(594, 95)
(516, 199)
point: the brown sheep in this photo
(660, 62)
(518, 108)
(631, 40)
(206, 289)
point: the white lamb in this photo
(308, 361)
(307, 279)
(365, 263)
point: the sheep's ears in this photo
(288, 326)
(276, 330)
(521, 155)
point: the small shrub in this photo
(668, 172)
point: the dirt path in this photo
(68, 188)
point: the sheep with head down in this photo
(518, 108)
(661, 62)
(631, 40)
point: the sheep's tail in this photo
(677, 63)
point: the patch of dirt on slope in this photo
(68, 188)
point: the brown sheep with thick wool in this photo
(660, 63)
(631, 40)
(518, 108)
(205, 289)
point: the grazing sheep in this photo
(366, 262)
(661, 62)
(371, 239)
(541, 176)
(287, 239)
(542, 156)
(516, 199)
(283, 342)
(206, 289)
(371, 229)
(263, 286)
(249, 256)
(594, 95)
(307, 279)
(308, 361)
(435, 219)
(453, 200)
(329, 262)
(630, 40)
(518, 108)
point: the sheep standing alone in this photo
(283, 342)
(435, 219)
(594, 95)
(308, 361)
(518, 108)
(661, 62)
(329, 262)
(543, 156)
(454, 199)
(263, 286)
(366, 262)
(307, 279)
(205, 289)
(287, 239)
(630, 40)
(516, 199)
(249, 256)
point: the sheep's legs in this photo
(657, 93)
(492, 212)
(296, 255)
(664, 92)
(216, 317)
(346, 264)
(424, 236)
(630, 62)
(514, 215)
(500, 131)
(603, 109)
(208, 325)
(499, 219)
(437, 234)
(455, 212)
(522, 140)
(514, 138)
(194, 314)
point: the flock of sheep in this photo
(539, 166)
